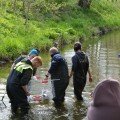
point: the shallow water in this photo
(104, 63)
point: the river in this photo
(104, 63)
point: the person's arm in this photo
(71, 74)
(89, 73)
(52, 68)
(90, 77)
(26, 77)
(34, 71)
(74, 66)
(47, 76)
(54, 65)
(25, 89)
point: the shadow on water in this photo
(104, 63)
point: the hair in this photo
(53, 50)
(37, 59)
(77, 46)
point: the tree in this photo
(85, 3)
(27, 11)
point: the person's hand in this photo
(90, 79)
(45, 80)
(28, 94)
(91, 95)
(46, 77)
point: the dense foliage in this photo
(25, 24)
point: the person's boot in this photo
(14, 110)
(58, 104)
(80, 98)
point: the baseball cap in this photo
(34, 51)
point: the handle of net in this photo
(46, 81)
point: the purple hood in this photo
(106, 101)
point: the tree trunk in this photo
(23, 6)
(27, 12)
(14, 5)
(85, 3)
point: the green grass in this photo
(50, 22)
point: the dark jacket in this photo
(59, 77)
(59, 68)
(80, 65)
(20, 78)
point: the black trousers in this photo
(79, 87)
(18, 99)
(58, 90)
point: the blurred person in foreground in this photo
(106, 101)
(17, 82)
(59, 76)
(80, 68)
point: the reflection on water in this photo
(104, 63)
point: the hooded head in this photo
(106, 101)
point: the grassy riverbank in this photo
(53, 23)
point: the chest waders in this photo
(19, 67)
(17, 95)
(80, 84)
(22, 66)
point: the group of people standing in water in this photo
(25, 67)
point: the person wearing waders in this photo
(34, 52)
(59, 76)
(80, 67)
(17, 81)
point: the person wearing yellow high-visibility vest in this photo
(34, 52)
(17, 84)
